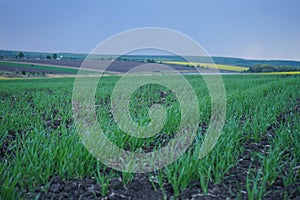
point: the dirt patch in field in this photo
(55, 121)
(88, 188)
(57, 188)
(5, 148)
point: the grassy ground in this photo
(290, 73)
(257, 156)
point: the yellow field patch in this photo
(210, 65)
(8, 78)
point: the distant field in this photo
(71, 67)
(19, 67)
(208, 65)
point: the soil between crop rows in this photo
(233, 185)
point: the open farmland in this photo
(72, 66)
(18, 67)
(257, 156)
(92, 67)
(209, 65)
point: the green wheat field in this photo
(257, 155)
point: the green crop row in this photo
(39, 138)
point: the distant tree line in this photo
(150, 60)
(269, 68)
(21, 55)
(54, 56)
(133, 59)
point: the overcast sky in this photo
(261, 29)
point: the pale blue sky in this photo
(262, 29)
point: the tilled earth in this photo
(233, 185)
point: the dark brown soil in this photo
(88, 188)
(5, 148)
(233, 186)
(55, 123)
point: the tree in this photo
(21, 55)
(48, 57)
(150, 60)
(54, 56)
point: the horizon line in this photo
(212, 56)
